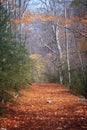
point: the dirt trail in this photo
(46, 107)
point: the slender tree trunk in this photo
(15, 26)
(67, 46)
(60, 53)
(20, 24)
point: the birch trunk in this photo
(67, 47)
(60, 54)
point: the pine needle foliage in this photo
(14, 62)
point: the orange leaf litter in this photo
(45, 107)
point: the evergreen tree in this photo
(14, 62)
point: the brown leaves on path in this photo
(45, 107)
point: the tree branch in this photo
(73, 30)
(50, 49)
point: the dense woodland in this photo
(43, 41)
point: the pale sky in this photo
(35, 4)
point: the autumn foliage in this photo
(29, 18)
(46, 106)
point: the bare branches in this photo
(76, 31)
(73, 30)
(25, 7)
(53, 51)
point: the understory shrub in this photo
(52, 77)
(77, 82)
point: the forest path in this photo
(46, 107)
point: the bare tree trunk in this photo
(60, 54)
(56, 31)
(67, 46)
(20, 18)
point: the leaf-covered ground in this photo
(45, 107)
